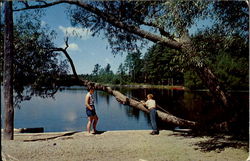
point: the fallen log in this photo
(32, 130)
(163, 116)
(28, 130)
(177, 129)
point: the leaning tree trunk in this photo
(8, 72)
(206, 75)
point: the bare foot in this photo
(88, 134)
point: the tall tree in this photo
(121, 72)
(161, 64)
(107, 68)
(133, 63)
(37, 64)
(8, 72)
(96, 69)
(227, 55)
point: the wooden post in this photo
(8, 72)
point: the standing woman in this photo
(151, 104)
(90, 110)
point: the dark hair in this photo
(91, 88)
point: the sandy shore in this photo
(122, 145)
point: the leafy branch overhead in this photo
(127, 23)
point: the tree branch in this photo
(161, 29)
(38, 6)
(112, 20)
(26, 4)
(44, 2)
(69, 59)
(66, 43)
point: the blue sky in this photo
(86, 51)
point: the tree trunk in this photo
(69, 59)
(1, 72)
(8, 72)
(206, 75)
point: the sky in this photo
(85, 51)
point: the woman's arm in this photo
(144, 103)
(87, 102)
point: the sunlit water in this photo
(67, 111)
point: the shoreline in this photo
(148, 86)
(129, 145)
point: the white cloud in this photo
(72, 47)
(107, 60)
(76, 32)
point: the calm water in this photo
(67, 111)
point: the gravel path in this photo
(122, 145)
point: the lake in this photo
(67, 111)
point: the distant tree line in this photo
(228, 57)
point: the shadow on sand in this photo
(53, 137)
(99, 132)
(216, 143)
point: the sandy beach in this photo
(136, 145)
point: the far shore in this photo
(169, 87)
(145, 86)
(129, 145)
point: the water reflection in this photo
(133, 112)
